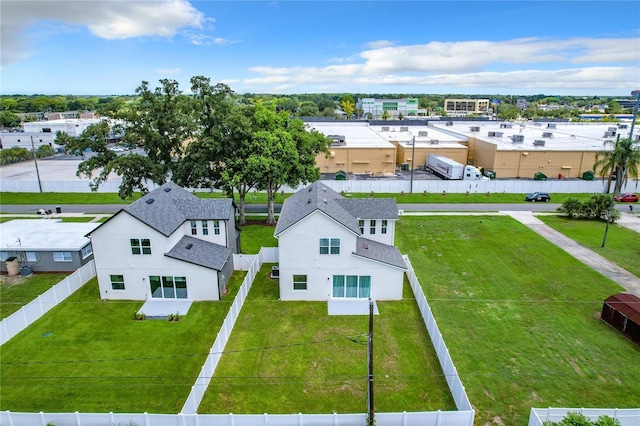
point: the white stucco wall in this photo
(220, 239)
(300, 255)
(112, 254)
(387, 238)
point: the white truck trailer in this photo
(450, 169)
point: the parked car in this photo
(626, 198)
(538, 196)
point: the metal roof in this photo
(44, 234)
(627, 304)
(199, 252)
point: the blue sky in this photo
(502, 47)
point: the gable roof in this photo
(200, 252)
(346, 212)
(379, 252)
(167, 207)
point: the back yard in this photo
(520, 318)
(89, 355)
(307, 361)
(17, 291)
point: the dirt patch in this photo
(574, 365)
(488, 394)
(12, 280)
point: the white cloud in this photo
(201, 39)
(378, 44)
(168, 71)
(527, 63)
(109, 20)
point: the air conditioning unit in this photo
(551, 125)
(385, 128)
(539, 142)
(609, 134)
(423, 133)
(517, 138)
(547, 134)
(474, 128)
(506, 126)
(449, 123)
(495, 134)
(434, 141)
(404, 129)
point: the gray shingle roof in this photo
(202, 253)
(318, 196)
(370, 208)
(172, 206)
(380, 252)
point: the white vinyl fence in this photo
(32, 311)
(365, 186)
(626, 417)
(450, 373)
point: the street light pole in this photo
(635, 112)
(413, 153)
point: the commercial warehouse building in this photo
(520, 150)
(511, 150)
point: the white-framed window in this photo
(168, 287)
(194, 227)
(87, 251)
(216, 227)
(372, 227)
(205, 227)
(140, 246)
(299, 282)
(383, 229)
(31, 256)
(329, 245)
(361, 225)
(4, 255)
(62, 256)
(117, 282)
(351, 286)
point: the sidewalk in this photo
(625, 279)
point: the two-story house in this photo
(331, 247)
(169, 244)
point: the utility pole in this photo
(413, 153)
(370, 418)
(33, 150)
(615, 190)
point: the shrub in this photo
(14, 155)
(578, 419)
(597, 208)
(572, 207)
(139, 316)
(45, 151)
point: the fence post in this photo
(265, 418)
(78, 423)
(146, 419)
(9, 417)
(44, 423)
(24, 315)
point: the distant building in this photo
(72, 127)
(24, 139)
(521, 103)
(462, 107)
(627, 103)
(408, 107)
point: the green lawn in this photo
(307, 361)
(255, 236)
(89, 355)
(520, 318)
(622, 245)
(57, 198)
(16, 292)
(78, 219)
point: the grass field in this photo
(89, 355)
(520, 318)
(622, 245)
(307, 361)
(257, 235)
(57, 198)
(16, 292)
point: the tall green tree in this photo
(159, 122)
(9, 119)
(348, 107)
(221, 155)
(508, 112)
(286, 152)
(622, 161)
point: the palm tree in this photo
(621, 161)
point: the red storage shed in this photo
(622, 311)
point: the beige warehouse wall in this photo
(525, 164)
(482, 154)
(358, 160)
